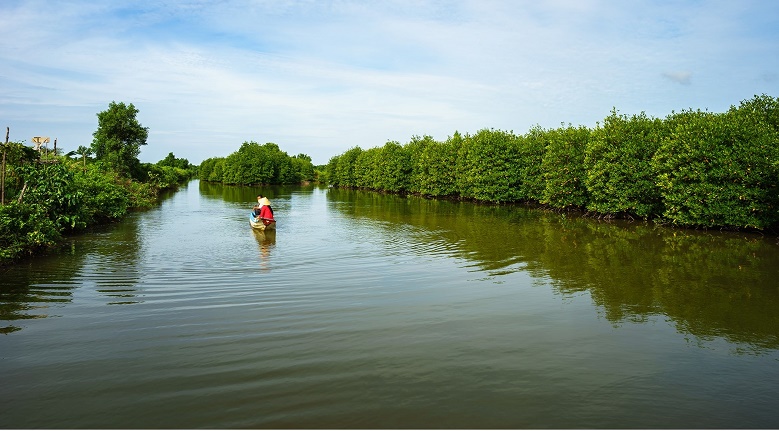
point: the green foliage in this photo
(692, 168)
(434, 173)
(344, 168)
(320, 174)
(367, 169)
(488, 163)
(82, 151)
(303, 168)
(118, 139)
(104, 198)
(166, 177)
(258, 164)
(530, 179)
(142, 195)
(620, 175)
(50, 186)
(207, 170)
(763, 108)
(25, 228)
(416, 149)
(331, 170)
(64, 195)
(563, 168)
(16, 154)
(171, 161)
(57, 198)
(720, 169)
(45, 199)
(75, 198)
(394, 168)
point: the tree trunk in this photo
(21, 195)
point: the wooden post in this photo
(2, 171)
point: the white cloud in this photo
(319, 77)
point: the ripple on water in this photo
(338, 320)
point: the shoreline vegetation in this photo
(58, 196)
(47, 195)
(693, 169)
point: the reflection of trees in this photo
(105, 258)
(113, 263)
(230, 193)
(32, 288)
(711, 284)
(243, 194)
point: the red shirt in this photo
(266, 213)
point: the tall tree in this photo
(118, 139)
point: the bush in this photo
(419, 171)
(530, 178)
(489, 164)
(720, 169)
(25, 228)
(217, 174)
(256, 164)
(302, 166)
(394, 168)
(563, 168)
(693, 168)
(344, 169)
(104, 198)
(366, 169)
(620, 174)
(207, 167)
(52, 188)
(331, 171)
(436, 175)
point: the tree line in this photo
(253, 163)
(692, 168)
(46, 198)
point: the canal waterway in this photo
(366, 310)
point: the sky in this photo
(321, 77)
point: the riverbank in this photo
(52, 200)
(693, 168)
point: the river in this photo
(366, 310)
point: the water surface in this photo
(366, 310)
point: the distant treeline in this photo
(694, 168)
(258, 164)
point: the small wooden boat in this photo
(261, 223)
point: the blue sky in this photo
(320, 77)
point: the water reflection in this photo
(36, 287)
(710, 284)
(246, 194)
(266, 240)
(112, 268)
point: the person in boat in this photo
(256, 208)
(266, 211)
